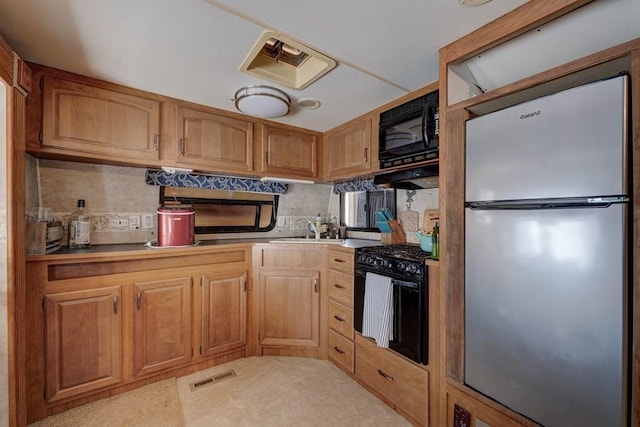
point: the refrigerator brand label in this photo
(531, 114)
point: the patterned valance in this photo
(359, 185)
(213, 182)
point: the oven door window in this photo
(358, 208)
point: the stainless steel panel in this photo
(572, 143)
(545, 312)
(354, 211)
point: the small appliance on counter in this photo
(176, 225)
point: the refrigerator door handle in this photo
(573, 203)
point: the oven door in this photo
(409, 316)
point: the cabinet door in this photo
(214, 142)
(224, 312)
(87, 119)
(348, 150)
(288, 152)
(83, 341)
(161, 324)
(289, 308)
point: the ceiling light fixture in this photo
(262, 101)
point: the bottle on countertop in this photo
(79, 228)
(333, 228)
(435, 240)
(318, 221)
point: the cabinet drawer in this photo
(400, 381)
(341, 261)
(341, 350)
(341, 319)
(341, 287)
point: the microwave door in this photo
(428, 125)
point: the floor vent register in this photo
(214, 379)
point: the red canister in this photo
(176, 225)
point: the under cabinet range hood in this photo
(410, 179)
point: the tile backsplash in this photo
(114, 193)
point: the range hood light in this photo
(286, 180)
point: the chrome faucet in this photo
(313, 229)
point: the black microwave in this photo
(409, 133)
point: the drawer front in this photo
(341, 287)
(341, 351)
(341, 319)
(397, 379)
(341, 261)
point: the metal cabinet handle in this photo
(266, 158)
(338, 318)
(155, 142)
(115, 305)
(339, 260)
(139, 300)
(339, 286)
(181, 146)
(315, 285)
(366, 154)
(338, 350)
(384, 375)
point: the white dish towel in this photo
(377, 317)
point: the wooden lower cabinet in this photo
(289, 301)
(289, 308)
(224, 312)
(404, 385)
(101, 326)
(341, 349)
(161, 324)
(83, 341)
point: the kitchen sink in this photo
(311, 241)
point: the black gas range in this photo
(403, 261)
(405, 265)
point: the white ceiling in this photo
(191, 49)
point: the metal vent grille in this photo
(213, 379)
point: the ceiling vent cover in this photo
(282, 60)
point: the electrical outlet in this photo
(119, 222)
(134, 222)
(281, 221)
(147, 221)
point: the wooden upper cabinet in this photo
(88, 119)
(348, 149)
(214, 142)
(224, 312)
(83, 341)
(288, 152)
(161, 324)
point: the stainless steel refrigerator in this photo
(547, 257)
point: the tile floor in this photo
(266, 391)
